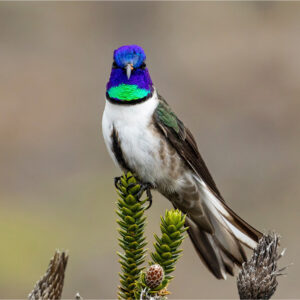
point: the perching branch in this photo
(153, 284)
(166, 247)
(132, 223)
(134, 282)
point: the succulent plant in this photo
(132, 241)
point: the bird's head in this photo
(129, 80)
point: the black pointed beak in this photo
(128, 68)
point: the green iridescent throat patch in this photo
(127, 92)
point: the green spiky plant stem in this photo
(166, 253)
(172, 230)
(132, 241)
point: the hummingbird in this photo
(144, 136)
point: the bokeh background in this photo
(230, 70)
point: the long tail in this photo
(220, 248)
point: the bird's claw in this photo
(116, 181)
(149, 195)
(146, 187)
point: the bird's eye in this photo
(143, 66)
(114, 65)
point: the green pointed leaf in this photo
(131, 180)
(129, 220)
(163, 229)
(135, 189)
(127, 211)
(165, 238)
(124, 182)
(171, 228)
(175, 235)
(157, 248)
(175, 243)
(180, 224)
(166, 255)
(165, 248)
(157, 239)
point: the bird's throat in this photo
(123, 90)
(128, 92)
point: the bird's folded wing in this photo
(183, 141)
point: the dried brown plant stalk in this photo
(258, 277)
(50, 286)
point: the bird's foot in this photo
(146, 187)
(117, 181)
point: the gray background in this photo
(230, 70)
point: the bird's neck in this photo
(138, 88)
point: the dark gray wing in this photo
(219, 250)
(183, 141)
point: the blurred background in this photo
(230, 70)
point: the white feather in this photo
(140, 145)
(220, 212)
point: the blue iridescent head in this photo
(129, 80)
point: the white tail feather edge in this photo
(219, 211)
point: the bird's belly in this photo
(145, 151)
(140, 148)
(153, 159)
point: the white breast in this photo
(140, 146)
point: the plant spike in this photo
(132, 241)
(172, 230)
(166, 255)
